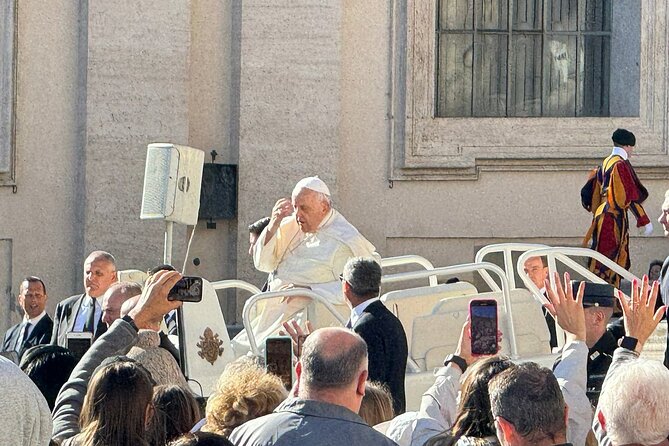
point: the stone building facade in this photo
(345, 89)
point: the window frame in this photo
(8, 53)
(426, 147)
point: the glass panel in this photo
(492, 14)
(454, 78)
(596, 77)
(456, 14)
(559, 76)
(597, 15)
(525, 88)
(527, 15)
(490, 75)
(562, 15)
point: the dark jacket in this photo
(387, 350)
(41, 334)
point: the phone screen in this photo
(483, 314)
(279, 359)
(79, 345)
(187, 289)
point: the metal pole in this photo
(167, 252)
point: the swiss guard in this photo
(611, 190)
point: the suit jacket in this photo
(66, 314)
(387, 350)
(40, 334)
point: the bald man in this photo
(83, 312)
(114, 298)
(331, 377)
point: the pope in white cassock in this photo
(306, 245)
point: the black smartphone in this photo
(187, 289)
(279, 358)
(483, 317)
(79, 343)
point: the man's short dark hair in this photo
(32, 279)
(529, 397)
(258, 226)
(364, 276)
(322, 371)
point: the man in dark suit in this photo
(36, 326)
(83, 312)
(381, 330)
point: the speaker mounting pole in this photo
(167, 252)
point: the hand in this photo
(567, 311)
(292, 286)
(293, 329)
(646, 230)
(153, 303)
(639, 313)
(464, 349)
(282, 209)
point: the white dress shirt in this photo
(82, 315)
(32, 321)
(356, 312)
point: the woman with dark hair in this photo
(117, 407)
(176, 412)
(48, 366)
(474, 424)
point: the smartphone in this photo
(187, 289)
(483, 316)
(279, 358)
(79, 343)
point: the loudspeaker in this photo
(219, 192)
(172, 181)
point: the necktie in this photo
(348, 324)
(24, 333)
(89, 325)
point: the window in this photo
(526, 85)
(7, 57)
(523, 57)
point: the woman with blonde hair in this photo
(244, 391)
(377, 404)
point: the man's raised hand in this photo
(567, 310)
(153, 304)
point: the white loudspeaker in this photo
(172, 182)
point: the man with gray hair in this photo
(633, 405)
(305, 245)
(331, 376)
(83, 312)
(381, 330)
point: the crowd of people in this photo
(127, 387)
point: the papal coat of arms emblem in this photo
(210, 346)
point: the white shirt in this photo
(32, 322)
(620, 152)
(82, 315)
(356, 312)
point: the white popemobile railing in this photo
(410, 260)
(466, 268)
(302, 292)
